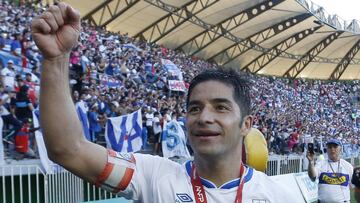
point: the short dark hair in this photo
(229, 77)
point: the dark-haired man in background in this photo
(356, 181)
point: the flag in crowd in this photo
(82, 109)
(47, 164)
(109, 81)
(123, 133)
(2, 159)
(177, 85)
(172, 68)
(131, 46)
(174, 141)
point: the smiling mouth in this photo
(206, 134)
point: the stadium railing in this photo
(278, 165)
(22, 183)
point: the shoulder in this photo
(155, 161)
(346, 164)
(269, 188)
(322, 163)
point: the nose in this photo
(207, 116)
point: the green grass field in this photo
(352, 196)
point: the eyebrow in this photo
(215, 100)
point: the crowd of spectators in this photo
(116, 74)
(292, 112)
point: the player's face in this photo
(213, 120)
(333, 151)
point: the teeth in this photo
(206, 135)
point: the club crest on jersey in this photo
(125, 156)
(183, 197)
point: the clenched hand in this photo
(56, 31)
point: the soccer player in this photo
(217, 121)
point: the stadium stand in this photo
(116, 75)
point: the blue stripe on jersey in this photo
(231, 184)
(228, 185)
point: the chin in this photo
(209, 151)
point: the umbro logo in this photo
(183, 197)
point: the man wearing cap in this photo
(334, 174)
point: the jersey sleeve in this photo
(132, 176)
(148, 171)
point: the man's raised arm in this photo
(56, 32)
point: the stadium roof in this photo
(290, 38)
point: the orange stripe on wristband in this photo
(107, 170)
(125, 180)
(104, 174)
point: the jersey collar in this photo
(228, 185)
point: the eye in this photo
(193, 109)
(221, 107)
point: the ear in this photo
(246, 125)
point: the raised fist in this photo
(57, 30)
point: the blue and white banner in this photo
(6, 56)
(82, 110)
(177, 85)
(109, 81)
(123, 133)
(174, 141)
(47, 164)
(131, 46)
(172, 68)
(2, 157)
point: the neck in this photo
(334, 159)
(218, 170)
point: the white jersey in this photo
(334, 180)
(149, 119)
(3, 110)
(156, 179)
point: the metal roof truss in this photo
(105, 8)
(261, 61)
(301, 64)
(205, 38)
(175, 18)
(232, 52)
(341, 67)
